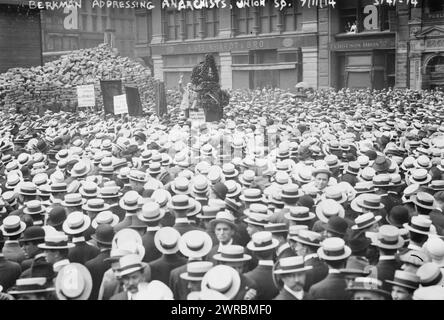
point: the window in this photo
(142, 29)
(265, 56)
(268, 17)
(289, 18)
(244, 20)
(288, 56)
(172, 24)
(192, 24)
(212, 22)
(352, 16)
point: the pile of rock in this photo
(56, 81)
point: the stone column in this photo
(158, 67)
(226, 74)
(158, 18)
(415, 71)
(402, 37)
(310, 66)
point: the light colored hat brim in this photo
(127, 208)
(343, 199)
(297, 239)
(74, 205)
(234, 289)
(131, 270)
(144, 219)
(118, 195)
(377, 219)
(6, 234)
(324, 218)
(216, 221)
(397, 245)
(399, 284)
(322, 255)
(115, 221)
(218, 257)
(88, 284)
(251, 246)
(45, 247)
(408, 227)
(242, 197)
(18, 292)
(280, 271)
(429, 178)
(208, 244)
(186, 277)
(86, 225)
(197, 208)
(311, 216)
(106, 207)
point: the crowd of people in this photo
(335, 196)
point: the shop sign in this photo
(363, 44)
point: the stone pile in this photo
(56, 81)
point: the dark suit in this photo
(263, 277)
(285, 295)
(9, 272)
(97, 267)
(13, 252)
(120, 296)
(151, 252)
(246, 284)
(184, 227)
(177, 284)
(82, 252)
(125, 223)
(39, 268)
(386, 271)
(117, 210)
(316, 274)
(437, 218)
(26, 264)
(161, 268)
(331, 288)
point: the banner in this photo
(110, 88)
(133, 101)
(197, 116)
(120, 104)
(86, 96)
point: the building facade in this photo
(20, 41)
(253, 47)
(356, 44)
(84, 26)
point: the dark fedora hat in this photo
(397, 216)
(104, 234)
(56, 216)
(34, 233)
(337, 225)
(382, 164)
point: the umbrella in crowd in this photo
(338, 196)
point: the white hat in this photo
(223, 279)
(166, 240)
(334, 249)
(155, 290)
(195, 244)
(261, 241)
(76, 223)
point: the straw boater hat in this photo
(419, 224)
(34, 207)
(257, 214)
(96, 205)
(261, 241)
(195, 244)
(388, 237)
(306, 237)
(151, 212)
(291, 192)
(233, 188)
(56, 241)
(299, 214)
(180, 202)
(30, 285)
(166, 240)
(420, 176)
(368, 201)
(223, 279)
(335, 193)
(196, 270)
(232, 253)
(73, 200)
(105, 217)
(368, 284)
(130, 263)
(223, 217)
(365, 220)
(76, 223)
(291, 265)
(12, 226)
(129, 202)
(334, 249)
(329, 208)
(405, 279)
(423, 200)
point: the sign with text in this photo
(86, 96)
(197, 116)
(120, 105)
(363, 44)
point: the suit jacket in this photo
(437, 218)
(82, 252)
(184, 227)
(111, 285)
(9, 272)
(177, 284)
(26, 264)
(263, 277)
(117, 210)
(161, 268)
(125, 223)
(39, 268)
(285, 295)
(97, 267)
(331, 288)
(386, 271)
(120, 296)
(151, 252)
(13, 252)
(246, 284)
(316, 274)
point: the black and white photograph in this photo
(243, 150)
